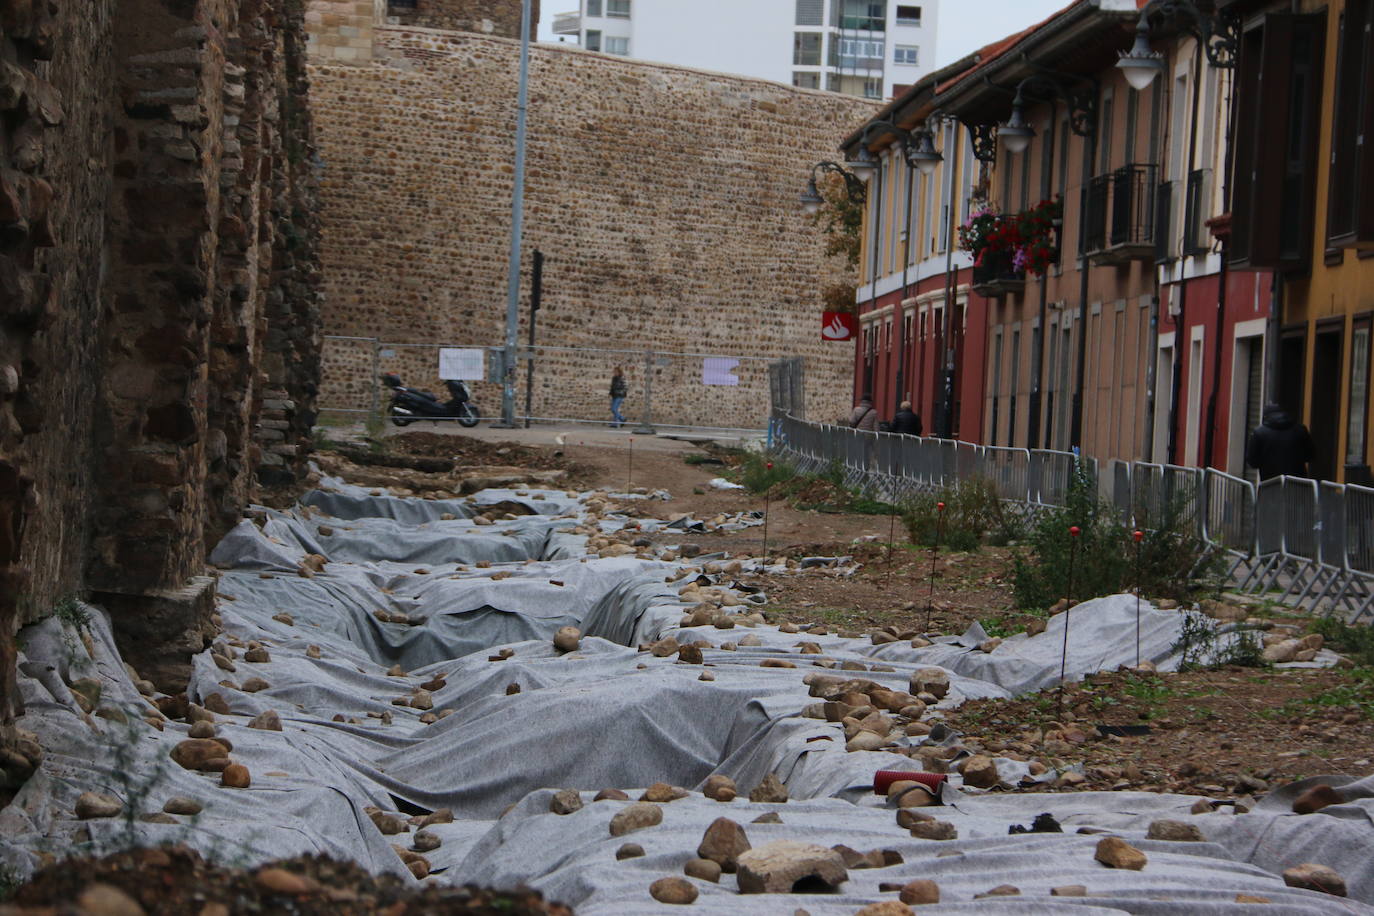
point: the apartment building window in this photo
(806, 49)
(906, 54)
(618, 9)
(810, 12)
(593, 40)
(908, 15)
(617, 45)
(1350, 195)
(806, 80)
(1275, 150)
(862, 15)
(857, 54)
(594, 8)
(873, 89)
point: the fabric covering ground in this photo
(358, 599)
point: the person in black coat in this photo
(906, 421)
(1279, 445)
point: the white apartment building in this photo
(871, 48)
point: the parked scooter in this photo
(411, 404)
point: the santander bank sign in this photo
(839, 326)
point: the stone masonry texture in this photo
(664, 199)
(159, 339)
(491, 17)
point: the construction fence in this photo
(561, 384)
(1299, 542)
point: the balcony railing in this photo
(567, 23)
(1119, 215)
(1196, 240)
(994, 277)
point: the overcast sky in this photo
(964, 26)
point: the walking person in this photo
(618, 392)
(865, 416)
(906, 421)
(1279, 445)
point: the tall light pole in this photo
(517, 208)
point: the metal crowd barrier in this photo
(1303, 543)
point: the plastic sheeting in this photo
(526, 720)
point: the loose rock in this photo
(93, 804)
(1114, 852)
(567, 639)
(723, 843)
(629, 851)
(1069, 890)
(235, 776)
(919, 892)
(721, 788)
(663, 793)
(934, 830)
(776, 867)
(1314, 877)
(770, 790)
(565, 801)
(107, 900)
(267, 721)
(1175, 831)
(886, 908)
(704, 869)
(182, 805)
(673, 890)
(636, 817)
(1317, 798)
(980, 772)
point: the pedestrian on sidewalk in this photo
(618, 392)
(906, 421)
(865, 416)
(1279, 445)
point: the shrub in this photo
(1172, 556)
(973, 516)
(1200, 646)
(1101, 565)
(759, 477)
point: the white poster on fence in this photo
(466, 365)
(719, 370)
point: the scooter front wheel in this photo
(401, 421)
(470, 415)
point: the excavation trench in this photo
(408, 657)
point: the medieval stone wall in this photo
(664, 199)
(158, 305)
(490, 17)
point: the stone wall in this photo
(489, 17)
(665, 200)
(159, 332)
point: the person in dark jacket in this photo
(906, 421)
(618, 392)
(1279, 445)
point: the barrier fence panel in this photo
(1230, 511)
(1120, 474)
(1009, 470)
(349, 370)
(1359, 528)
(1331, 524)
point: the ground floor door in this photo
(1326, 403)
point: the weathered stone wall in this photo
(158, 304)
(490, 17)
(665, 200)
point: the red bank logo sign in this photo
(839, 326)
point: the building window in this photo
(906, 54)
(618, 9)
(617, 45)
(908, 15)
(806, 49)
(873, 89)
(862, 15)
(593, 40)
(1350, 195)
(810, 12)
(806, 80)
(1357, 436)
(1275, 150)
(857, 54)
(594, 7)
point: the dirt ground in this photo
(1228, 734)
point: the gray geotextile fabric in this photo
(399, 585)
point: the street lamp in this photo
(862, 165)
(811, 199)
(923, 154)
(1219, 34)
(1016, 134)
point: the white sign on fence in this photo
(466, 365)
(719, 370)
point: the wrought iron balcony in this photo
(1119, 215)
(994, 277)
